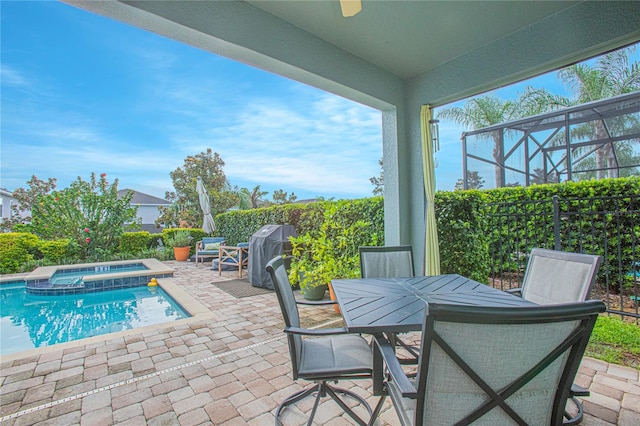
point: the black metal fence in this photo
(607, 226)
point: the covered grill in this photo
(268, 242)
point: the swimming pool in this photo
(29, 321)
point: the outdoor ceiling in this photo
(409, 38)
(468, 46)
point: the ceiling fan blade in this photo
(350, 7)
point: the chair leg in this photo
(333, 391)
(322, 389)
(295, 397)
(574, 420)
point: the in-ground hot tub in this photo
(91, 277)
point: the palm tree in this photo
(251, 199)
(486, 111)
(256, 197)
(244, 199)
(612, 75)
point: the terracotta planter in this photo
(333, 297)
(181, 253)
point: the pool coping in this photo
(192, 306)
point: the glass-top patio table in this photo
(396, 305)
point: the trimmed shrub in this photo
(135, 242)
(16, 250)
(464, 245)
(55, 251)
(238, 226)
(598, 217)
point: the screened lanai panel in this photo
(515, 157)
(543, 160)
(590, 141)
(480, 163)
(481, 175)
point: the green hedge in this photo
(463, 240)
(16, 250)
(586, 223)
(54, 252)
(464, 245)
(238, 226)
(135, 242)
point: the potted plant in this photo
(180, 240)
(305, 271)
(330, 253)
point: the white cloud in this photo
(12, 77)
(332, 146)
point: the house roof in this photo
(144, 199)
(5, 193)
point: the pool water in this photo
(65, 277)
(31, 321)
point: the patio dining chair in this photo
(560, 277)
(389, 262)
(324, 355)
(554, 276)
(490, 365)
(386, 261)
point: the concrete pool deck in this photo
(228, 365)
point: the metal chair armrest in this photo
(315, 332)
(402, 382)
(317, 303)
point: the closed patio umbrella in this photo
(208, 224)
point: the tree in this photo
(255, 196)
(474, 181)
(540, 177)
(244, 199)
(378, 182)
(26, 199)
(90, 214)
(186, 211)
(280, 197)
(612, 75)
(486, 111)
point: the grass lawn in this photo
(615, 341)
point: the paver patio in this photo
(229, 365)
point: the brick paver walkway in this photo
(227, 366)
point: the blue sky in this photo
(82, 93)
